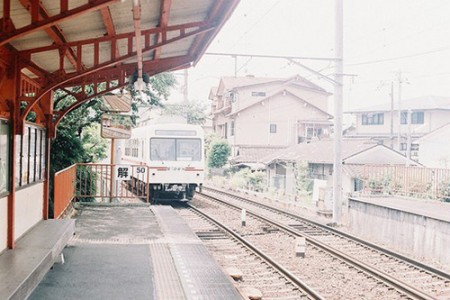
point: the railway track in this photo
(408, 278)
(235, 253)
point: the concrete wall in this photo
(405, 232)
(3, 222)
(28, 210)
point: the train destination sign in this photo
(115, 126)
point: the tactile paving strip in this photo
(200, 275)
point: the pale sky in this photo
(381, 38)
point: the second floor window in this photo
(372, 119)
(273, 128)
(258, 94)
(232, 128)
(417, 117)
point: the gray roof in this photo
(418, 103)
(235, 82)
(318, 151)
(253, 154)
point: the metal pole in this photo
(399, 136)
(338, 100)
(392, 116)
(408, 143)
(111, 180)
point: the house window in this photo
(373, 119)
(258, 94)
(403, 146)
(417, 117)
(30, 164)
(404, 117)
(4, 157)
(232, 128)
(225, 130)
(273, 128)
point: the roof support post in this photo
(48, 110)
(138, 37)
(9, 90)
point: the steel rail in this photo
(343, 234)
(399, 285)
(297, 281)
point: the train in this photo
(174, 156)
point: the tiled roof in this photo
(318, 151)
(253, 154)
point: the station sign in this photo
(116, 126)
(116, 103)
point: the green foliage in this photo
(158, 89)
(94, 145)
(218, 154)
(192, 111)
(303, 182)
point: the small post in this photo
(243, 216)
(300, 247)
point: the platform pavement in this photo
(34, 254)
(134, 253)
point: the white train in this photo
(174, 155)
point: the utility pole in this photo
(392, 115)
(338, 102)
(399, 135)
(185, 90)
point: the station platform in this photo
(135, 252)
(427, 208)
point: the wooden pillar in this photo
(47, 105)
(9, 91)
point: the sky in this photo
(382, 39)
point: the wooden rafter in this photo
(63, 78)
(54, 32)
(163, 22)
(109, 24)
(92, 5)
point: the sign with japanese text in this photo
(122, 172)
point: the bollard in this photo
(243, 217)
(300, 247)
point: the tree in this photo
(192, 111)
(218, 154)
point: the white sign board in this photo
(122, 172)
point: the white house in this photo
(414, 117)
(268, 113)
(434, 148)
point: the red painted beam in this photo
(202, 41)
(92, 5)
(54, 32)
(68, 77)
(163, 22)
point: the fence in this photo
(103, 182)
(409, 181)
(63, 190)
(106, 181)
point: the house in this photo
(434, 148)
(415, 118)
(262, 115)
(319, 155)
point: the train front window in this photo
(189, 149)
(162, 149)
